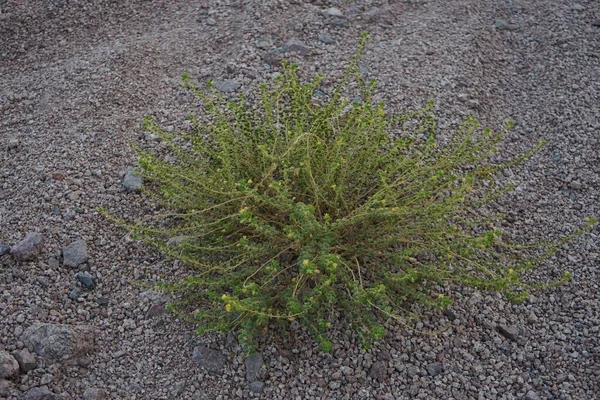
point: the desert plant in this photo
(301, 207)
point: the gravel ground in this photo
(76, 79)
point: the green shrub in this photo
(306, 208)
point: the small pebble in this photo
(87, 280)
(325, 38)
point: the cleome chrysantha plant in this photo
(308, 208)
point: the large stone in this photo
(9, 367)
(57, 342)
(209, 359)
(132, 180)
(510, 332)
(75, 253)
(28, 248)
(40, 393)
(254, 364)
(26, 360)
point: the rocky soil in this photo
(78, 316)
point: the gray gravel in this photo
(77, 78)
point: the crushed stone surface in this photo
(77, 78)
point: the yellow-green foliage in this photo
(300, 208)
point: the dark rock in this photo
(449, 314)
(378, 370)
(509, 331)
(297, 46)
(131, 180)
(155, 310)
(26, 360)
(257, 387)
(86, 280)
(58, 342)
(226, 86)
(254, 364)
(75, 293)
(40, 393)
(4, 249)
(9, 367)
(75, 253)
(502, 25)
(94, 394)
(434, 369)
(325, 38)
(596, 22)
(102, 301)
(28, 248)
(209, 359)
